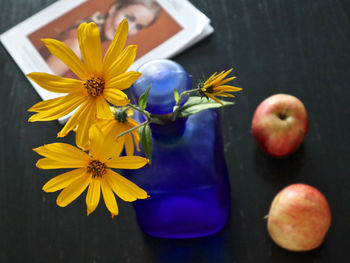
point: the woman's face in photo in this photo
(138, 17)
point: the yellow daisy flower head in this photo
(215, 86)
(120, 123)
(101, 81)
(91, 170)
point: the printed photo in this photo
(149, 26)
(160, 28)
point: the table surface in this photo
(297, 47)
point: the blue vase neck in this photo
(169, 132)
(163, 76)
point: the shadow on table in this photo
(279, 170)
(206, 249)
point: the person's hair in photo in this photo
(139, 13)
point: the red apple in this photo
(299, 218)
(280, 124)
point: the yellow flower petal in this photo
(63, 152)
(129, 144)
(69, 103)
(93, 195)
(227, 80)
(55, 83)
(63, 180)
(116, 129)
(70, 193)
(223, 94)
(116, 97)
(132, 122)
(103, 146)
(46, 163)
(136, 135)
(109, 198)
(221, 77)
(82, 133)
(123, 81)
(46, 104)
(90, 47)
(122, 63)
(112, 134)
(214, 86)
(77, 116)
(127, 162)
(213, 97)
(67, 56)
(227, 88)
(96, 138)
(51, 103)
(210, 78)
(117, 148)
(103, 110)
(117, 44)
(107, 126)
(218, 75)
(125, 189)
(103, 124)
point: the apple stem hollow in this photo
(282, 115)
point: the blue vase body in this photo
(188, 180)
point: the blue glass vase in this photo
(188, 180)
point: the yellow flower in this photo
(91, 170)
(121, 123)
(100, 81)
(214, 86)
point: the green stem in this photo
(134, 128)
(183, 94)
(146, 113)
(149, 116)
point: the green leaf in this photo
(146, 141)
(176, 96)
(196, 104)
(143, 98)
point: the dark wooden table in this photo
(297, 47)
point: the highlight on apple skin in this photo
(280, 124)
(299, 218)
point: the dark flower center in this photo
(120, 115)
(96, 168)
(210, 89)
(94, 86)
(203, 91)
